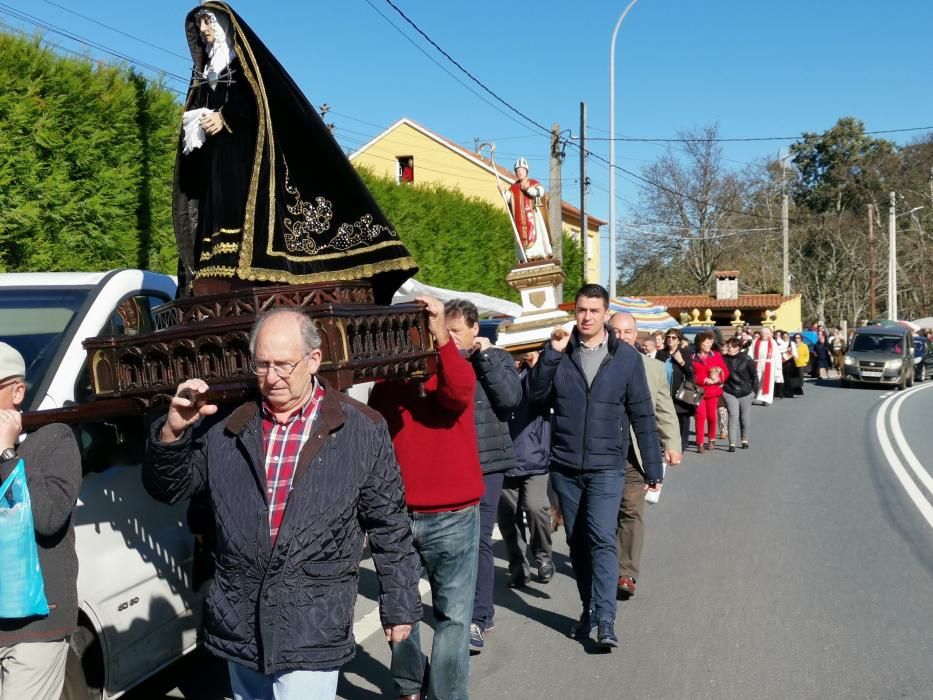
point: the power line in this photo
(651, 224)
(438, 64)
(52, 46)
(42, 24)
(390, 156)
(724, 234)
(545, 129)
(632, 139)
(665, 188)
(118, 31)
(464, 70)
(467, 147)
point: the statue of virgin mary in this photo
(263, 193)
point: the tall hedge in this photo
(87, 154)
(83, 162)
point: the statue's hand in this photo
(212, 123)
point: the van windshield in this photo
(865, 342)
(33, 320)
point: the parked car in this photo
(138, 608)
(880, 355)
(923, 358)
(489, 327)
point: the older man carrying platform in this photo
(631, 535)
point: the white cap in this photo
(11, 362)
(521, 163)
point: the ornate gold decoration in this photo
(315, 220)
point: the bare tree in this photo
(691, 199)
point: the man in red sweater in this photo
(434, 435)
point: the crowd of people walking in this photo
(579, 432)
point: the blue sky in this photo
(757, 69)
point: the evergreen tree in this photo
(72, 160)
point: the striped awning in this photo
(649, 317)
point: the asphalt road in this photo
(801, 568)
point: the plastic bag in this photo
(22, 589)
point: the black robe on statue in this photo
(272, 198)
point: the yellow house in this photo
(409, 152)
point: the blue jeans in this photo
(483, 609)
(248, 684)
(447, 544)
(590, 502)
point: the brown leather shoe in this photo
(699, 449)
(626, 588)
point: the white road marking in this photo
(908, 454)
(370, 623)
(897, 466)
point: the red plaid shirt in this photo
(283, 443)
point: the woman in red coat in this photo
(710, 373)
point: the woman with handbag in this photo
(711, 373)
(739, 391)
(679, 364)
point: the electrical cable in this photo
(42, 24)
(52, 45)
(682, 139)
(464, 70)
(438, 64)
(187, 59)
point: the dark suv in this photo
(880, 355)
(923, 358)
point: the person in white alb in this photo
(767, 357)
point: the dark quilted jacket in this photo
(530, 427)
(498, 393)
(590, 425)
(291, 607)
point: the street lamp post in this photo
(612, 152)
(892, 256)
(892, 260)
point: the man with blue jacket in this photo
(598, 390)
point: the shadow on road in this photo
(372, 670)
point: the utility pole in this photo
(584, 238)
(872, 273)
(785, 223)
(555, 225)
(323, 110)
(892, 260)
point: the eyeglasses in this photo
(671, 337)
(282, 369)
(10, 383)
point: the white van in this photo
(138, 612)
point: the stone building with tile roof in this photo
(776, 310)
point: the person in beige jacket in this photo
(631, 532)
